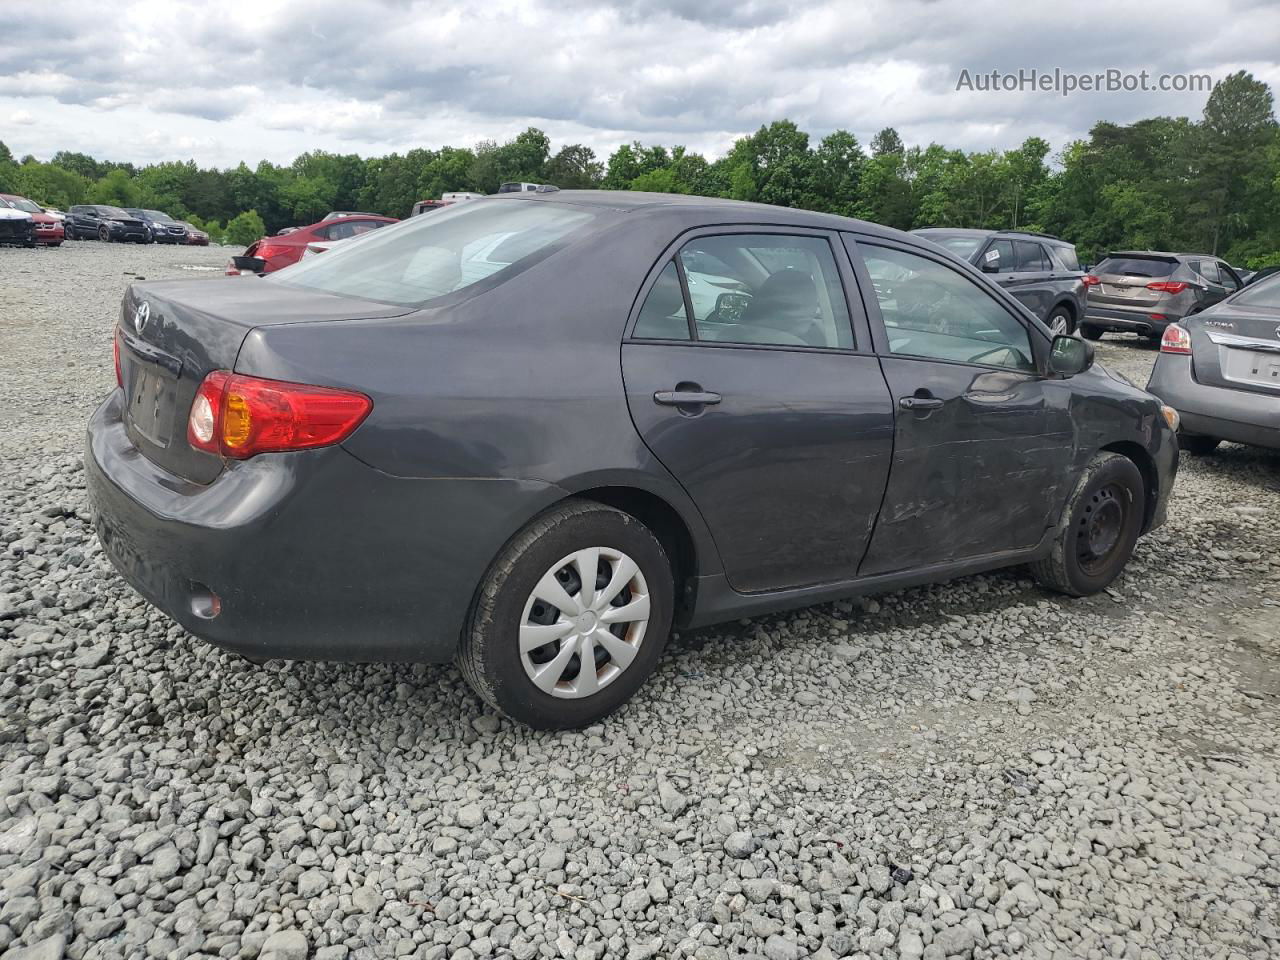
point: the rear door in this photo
(750, 380)
(983, 444)
(1032, 277)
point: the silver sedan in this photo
(1220, 370)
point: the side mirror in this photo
(1069, 356)
(991, 261)
(731, 306)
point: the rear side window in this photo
(424, 258)
(350, 228)
(931, 311)
(1031, 257)
(766, 289)
(1209, 270)
(1135, 267)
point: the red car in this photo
(48, 229)
(271, 253)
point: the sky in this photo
(224, 81)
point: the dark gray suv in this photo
(531, 432)
(1040, 270)
(1143, 291)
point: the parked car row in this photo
(27, 223)
(99, 221)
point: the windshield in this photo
(961, 244)
(157, 215)
(1263, 293)
(114, 213)
(427, 257)
(22, 203)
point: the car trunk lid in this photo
(1237, 348)
(174, 333)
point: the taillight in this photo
(266, 251)
(115, 357)
(1090, 280)
(1175, 340)
(1167, 286)
(239, 417)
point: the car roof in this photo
(1159, 253)
(635, 201)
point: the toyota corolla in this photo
(517, 434)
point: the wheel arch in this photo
(1146, 465)
(1066, 303)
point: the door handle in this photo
(685, 398)
(920, 403)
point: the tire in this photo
(1090, 332)
(1197, 446)
(1061, 315)
(1097, 530)
(104, 234)
(489, 653)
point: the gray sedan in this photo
(1221, 371)
(514, 434)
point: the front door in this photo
(982, 449)
(746, 380)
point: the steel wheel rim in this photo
(579, 633)
(1100, 528)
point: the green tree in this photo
(245, 228)
(116, 188)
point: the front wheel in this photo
(1090, 332)
(1098, 528)
(571, 618)
(1061, 323)
(104, 234)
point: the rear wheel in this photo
(1061, 323)
(571, 618)
(1097, 530)
(1197, 446)
(1090, 332)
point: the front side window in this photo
(932, 311)
(998, 257)
(766, 289)
(424, 258)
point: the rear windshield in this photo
(1135, 267)
(423, 258)
(1263, 293)
(961, 244)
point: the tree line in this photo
(1208, 185)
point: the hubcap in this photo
(584, 622)
(1101, 524)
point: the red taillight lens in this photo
(1175, 340)
(1090, 280)
(115, 358)
(268, 250)
(1167, 286)
(239, 417)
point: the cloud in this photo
(240, 79)
(22, 118)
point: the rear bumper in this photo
(1240, 416)
(1126, 320)
(313, 555)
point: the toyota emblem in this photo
(141, 316)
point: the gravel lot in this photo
(975, 769)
